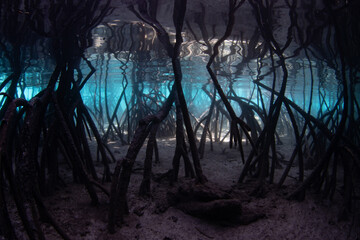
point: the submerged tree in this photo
(149, 124)
(55, 118)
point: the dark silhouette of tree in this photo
(149, 124)
(55, 116)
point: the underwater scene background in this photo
(257, 73)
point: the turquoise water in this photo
(155, 77)
(139, 78)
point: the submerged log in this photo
(221, 209)
(211, 203)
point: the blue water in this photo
(148, 76)
(156, 77)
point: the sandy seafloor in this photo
(313, 218)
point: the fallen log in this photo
(211, 203)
